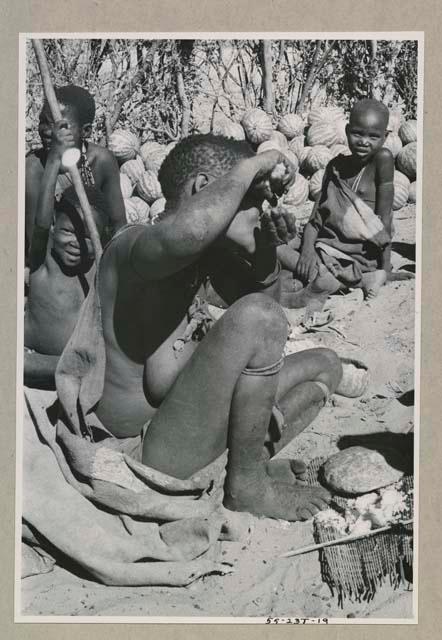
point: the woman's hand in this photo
(275, 174)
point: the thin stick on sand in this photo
(72, 168)
(344, 540)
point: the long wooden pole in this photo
(72, 168)
(344, 540)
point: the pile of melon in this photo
(139, 167)
(310, 142)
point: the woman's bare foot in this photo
(256, 492)
(287, 470)
(372, 282)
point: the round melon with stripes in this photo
(137, 211)
(124, 145)
(229, 129)
(156, 208)
(149, 188)
(257, 126)
(394, 120)
(324, 133)
(296, 145)
(268, 145)
(408, 131)
(126, 186)
(134, 169)
(297, 193)
(315, 184)
(338, 149)
(155, 158)
(393, 143)
(317, 158)
(149, 147)
(406, 160)
(401, 190)
(341, 130)
(291, 125)
(281, 139)
(325, 114)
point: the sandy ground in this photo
(381, 334)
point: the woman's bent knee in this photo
(261, 316)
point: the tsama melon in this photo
(408, 132)
(156, 208)
(229, 129)
(149, 187)
(394, 120)
(324, 133)
(268, 145)
(342, 149)
(291, 125)
(134, 169)
(303, 156)
(325, 114)
(401, 190)
(124, 145)
(292, 157)
(126, 186)
(315, 184)
(393, 143)
(341, 129)
(148, 148)
(137, 211)
(412, 193)
(298, 192)
(257, 126)
(406, 160)
(281, 139)
(155, 158)
(317, 158)
(297, 144)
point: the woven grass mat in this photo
(355, 570)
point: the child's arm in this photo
(384, 177)
(62, 139)
(112, 190)
(185, 234)
(307, 265)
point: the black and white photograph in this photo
(219, 272)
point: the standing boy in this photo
(97, 165)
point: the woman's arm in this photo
(186, 233)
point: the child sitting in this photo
(347, 241)
(61, 267)
(97, 165)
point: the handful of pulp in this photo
(370, 511)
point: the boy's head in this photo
(77, 107)
(197, 161)
(72, 243)
(367, 128)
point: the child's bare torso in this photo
(141, 322)
(53, 306)
(350, 171)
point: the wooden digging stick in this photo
(344, 540)
(72, 168)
